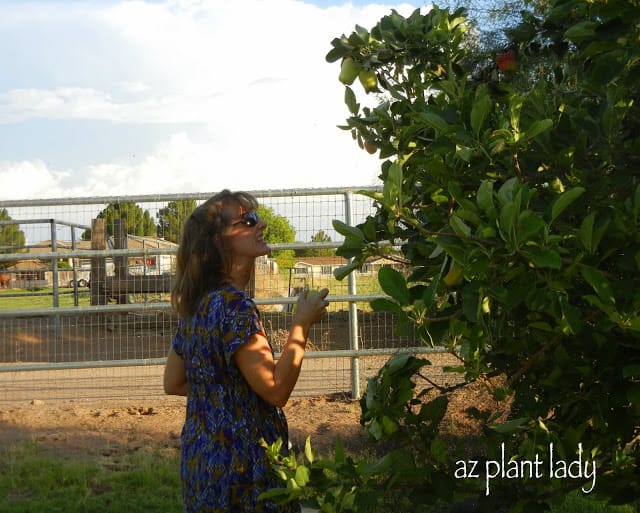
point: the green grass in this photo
(28, 300)
(33, 479)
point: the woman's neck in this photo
(241, 273)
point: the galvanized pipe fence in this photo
(310, 211)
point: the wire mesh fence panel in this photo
(86, 292)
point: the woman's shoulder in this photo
(230, 295)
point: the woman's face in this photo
(246, 233)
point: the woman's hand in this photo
(311, 307)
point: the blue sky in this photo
(143, 97)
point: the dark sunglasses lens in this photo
(250, 219)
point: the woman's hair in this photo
(204, 259)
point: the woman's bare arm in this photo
(175, 376)
(271, 380)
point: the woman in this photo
(221, 360)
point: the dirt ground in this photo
(110, 430)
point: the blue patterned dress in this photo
(224, 468)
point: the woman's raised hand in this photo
(311, 307)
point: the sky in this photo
(106, 97)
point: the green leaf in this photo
(389, 425)
(484, 199)
(564, 200)
(396, 363)
(544, 258)
(571, 321)
(394, 285)
(585, 234)
(508, 190)
(378, 467)
(302, 475)
(342, 272)
(480, 110)
(510, 426)
(439, 450)
(308, 452)
(392, 188)
(350, 100)
(338, 52)
(529, 226)
(581, 31)
(459, 227)
(386, 305)
(537, 128)
(509, 215)
(434, 120)
(599, 283)
(346, 230)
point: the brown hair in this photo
(204, 260)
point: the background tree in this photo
(11, 237)
(279, 231)
(172, 217)
(516, 193)
(138, 222)
(320, 236)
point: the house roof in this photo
(338, 260)
(31, 264)
(133, 242)
(320, 260)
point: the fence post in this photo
(121, 241)
(54, 272)
(74, 265)
(98, 265)
(353, 311)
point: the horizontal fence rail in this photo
(118, 325)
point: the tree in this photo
(172, 217)
(138, 222)
(320, 236)
(278, 231)
(515, 191)
(11, 237)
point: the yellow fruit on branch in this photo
(454, 277)
(349, 71)
(368, 80)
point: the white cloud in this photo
(252, 73)
(33, 179)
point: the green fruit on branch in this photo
(368, 80)
(349, 71)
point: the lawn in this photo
(33, 479)
(24, 299)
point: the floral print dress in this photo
(224, 468)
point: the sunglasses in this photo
(249, 219)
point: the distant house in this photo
(30, 273)
(151, 264)
(317, 267)
(33, 272)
